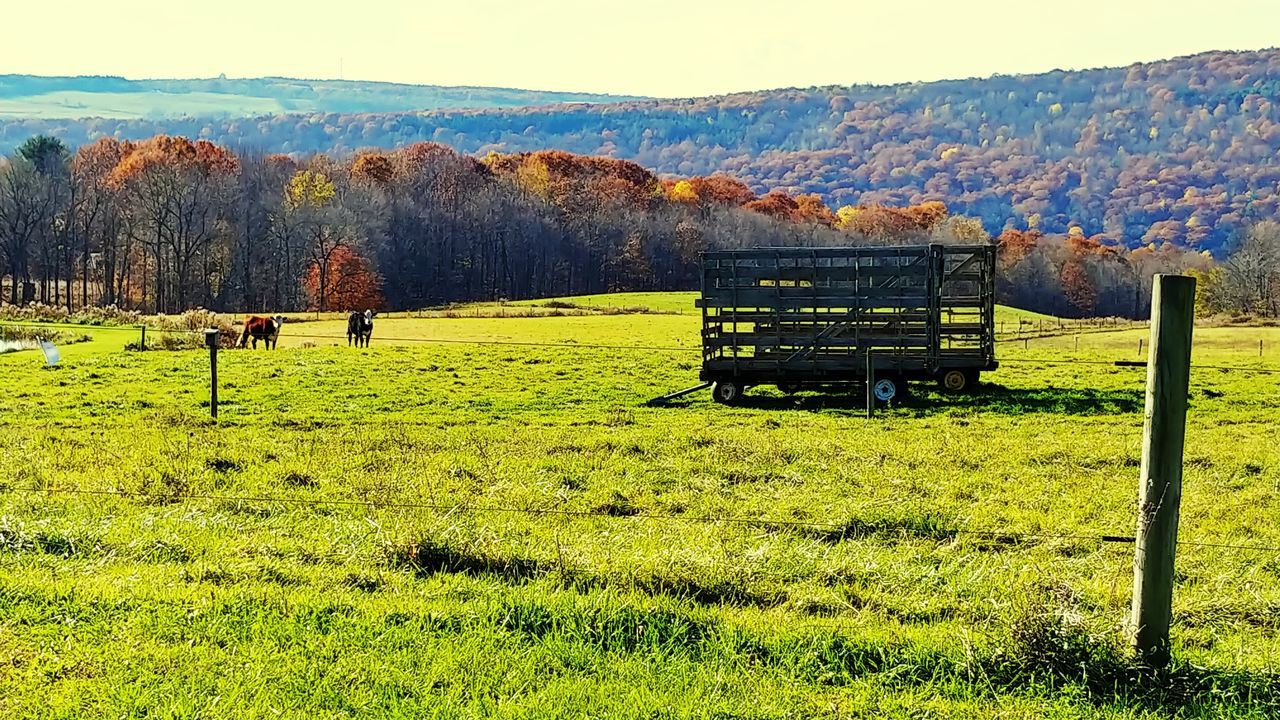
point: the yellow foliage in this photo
(846, 216)
(966, 229)
(683, 192)
(308, 189)
(950, 152)
(535, 177)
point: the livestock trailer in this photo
(793, 317)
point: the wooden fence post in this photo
(1160, 482)
(211, 339)
(142, 344)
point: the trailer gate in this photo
(795, 315)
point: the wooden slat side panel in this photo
(818, 308)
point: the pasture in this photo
(479, 516)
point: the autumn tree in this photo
(777, 205)
(1078, 287)
(347, 282)
(810, 208)
(312, 212)
(176, 194)
(96, 215)
(375, 168)
(1013, 246)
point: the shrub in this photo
(20, 338)
(40, 312)
(186, 331)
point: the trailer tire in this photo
(958, 381)
(726, 392)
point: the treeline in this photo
(1181, 152)
(167, 224)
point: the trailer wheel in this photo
(957, 381)
(789, 388)
(726, 392)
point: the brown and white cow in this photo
(266, 329)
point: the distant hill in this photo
(1184, 151)
(30, 96)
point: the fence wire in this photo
(1022, 360)
(763, 523)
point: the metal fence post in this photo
(1160, 483)
(211, 339)
(871, 385)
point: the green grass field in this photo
(443, 529)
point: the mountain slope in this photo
(29, 96)
(1184, 151)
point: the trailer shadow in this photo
(987, 398)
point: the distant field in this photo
(72, 105)
(359, 534)
(26, 96)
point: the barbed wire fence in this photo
(852, 529)
(1021, 360)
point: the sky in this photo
(670, 48)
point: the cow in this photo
(266, 329)
(360, 328)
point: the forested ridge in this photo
(1185, 151)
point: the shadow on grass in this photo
(1101, 677)
(1038, 652)
(925, 527)
(988, 398)
(1046, 650)
(428, 557)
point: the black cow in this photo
(360, 328)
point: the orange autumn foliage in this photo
(373, 168)
(351, 285)
(777, 204)
(1014, 245)
(810, 208)
(178, 153)
(1078, 287)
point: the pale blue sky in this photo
(649, 47)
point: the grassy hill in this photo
(29, 96)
